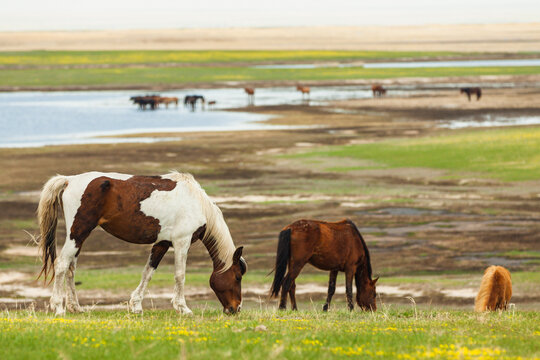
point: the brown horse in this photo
(251, 94)
(333, 246)
(471, 91)
(495, 290)
(304, 90)
(168, 100)
(378, 90)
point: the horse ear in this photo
(375, 281)
(237, 255)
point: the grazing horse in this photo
(333, 246)
(471, 91)
(191, 100)
(378, 90)
(304, 90)
(251, 95)
(168, 210)
(495, 290)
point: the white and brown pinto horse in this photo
(164, 210)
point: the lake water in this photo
(55, 118)
(30, 119)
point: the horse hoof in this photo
(75, 309)
(325, 307)
(186, 312)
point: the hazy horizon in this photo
(58, 15)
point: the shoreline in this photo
(517, 81)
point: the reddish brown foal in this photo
(328, 246)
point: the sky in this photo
(22, 15)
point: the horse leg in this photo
(156, 254)
(331, 289)
(181, 247)
(292, 295)
(349, 274)
(72, 303)
(294, 271)
(61, 267)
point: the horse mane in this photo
(217, 236)
(366, 251)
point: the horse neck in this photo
(362, 273)
(218, 241)
(208, 244)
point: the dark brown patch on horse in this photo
(158, 251)
(198, 234)
(116, 206)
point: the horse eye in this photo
(238, 278)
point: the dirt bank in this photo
(463, 38)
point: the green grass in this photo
(151, 76)
(387, 334)
(126, 279)
(521, 254)
(505, 154)
(209, 56)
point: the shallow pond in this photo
(55, 118)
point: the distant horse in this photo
(472, 91)
(304, 90)
(333, 246)
(211, 104)
(144, 101)
(378, 90)
(495, 290)
(168, 210)
(251, 95)
(168, 100)
(191, 100)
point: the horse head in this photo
(367, 298)
(228, 284)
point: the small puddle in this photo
(490, 121)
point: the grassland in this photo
(505, 154)
(387, 334)
(120, 69)
(209, 56)
(123, 77)
(127, 279)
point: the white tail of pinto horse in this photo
(49, 204)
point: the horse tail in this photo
(47, 213)
(282, 259)
(479, 94)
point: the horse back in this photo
(326, 245)
(495, 289)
